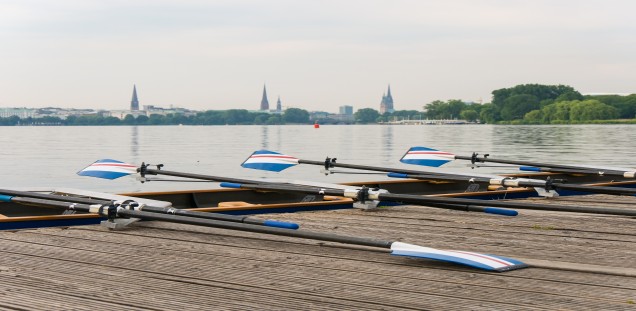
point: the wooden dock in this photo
(578, 262)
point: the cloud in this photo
(314, 53)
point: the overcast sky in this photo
(317, 55)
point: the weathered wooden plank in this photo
(167, 255)
(161, 266)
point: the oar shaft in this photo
(258, 229)
(525, 183)
(537, 164)
(155, 209)
(426, 200)
(354, 193)
(447, 177)
(126, 213)
(197, 176)
(362, 167)
(516, 205)
(223, 217)
(561, 170)
(54, 197)
(588, 189)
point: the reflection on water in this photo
(134, 143)
(49, 156)
(264, 137)
(387, 143)
(582, 143)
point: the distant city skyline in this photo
(385, 105)
(319, 55)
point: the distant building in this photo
(61, 113)
(64, 113)
(318, 115)
(345, 115)
(346, 110)
(134, 103)
(323, 117)
(279, 106)
(264, 101)
(21, 113)
(150, 110)
(386, 105)
(121, 114)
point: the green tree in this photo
(573, 112)
(469, 115)
(488, 113)
(260, 119)
(274, 119)
(404, 114)
(129, 120)
(437, 110)
(142, 120)
(295, 115)
(538, 96)
(626, 105)
(180, 119)
(445, 110)
(534, 117)
(516, 106)
(12, 120)
(455, 108)
(237, 116)
(591, 110)
(569, 96)
(210, 117)
(366, 115)
(156, 119)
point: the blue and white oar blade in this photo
(108, 169)
(427, 157)
(475, 260)
(269, 161)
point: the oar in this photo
(432, 157)
(548, 184)
(113, 169)
(368, 194)
(112, 211)
(104, 168)
(274, 161)
(154, 209)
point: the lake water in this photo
(51, 156)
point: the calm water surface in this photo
(50, 156)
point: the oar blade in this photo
(108, 169)
(269, 161)
(475, 260)
(427, 157)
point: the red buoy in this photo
(316, 125)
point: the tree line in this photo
(210, 117)
(540, 104)
(521, 104)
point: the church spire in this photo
(387, 102)
(279, 107)
(264, 101)
(134, 103)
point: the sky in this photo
(315, 55)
